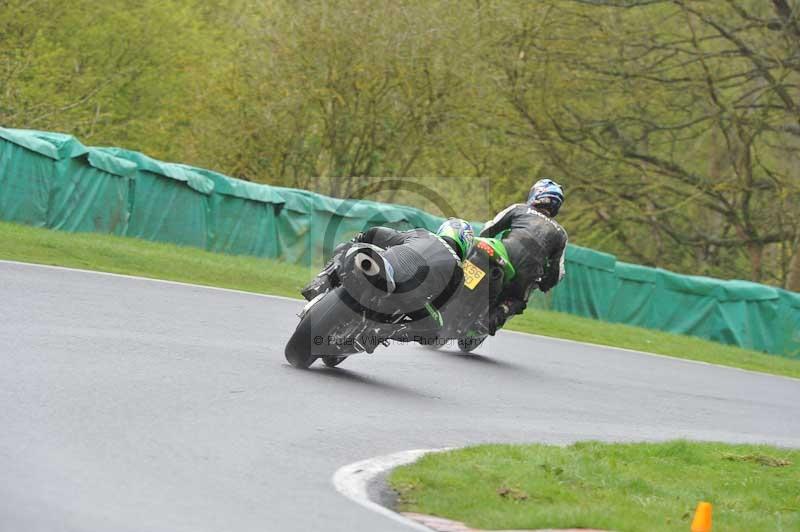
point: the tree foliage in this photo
(674, 124)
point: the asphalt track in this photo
(133, 405)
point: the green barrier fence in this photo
(243, 216)
(52, 180)
(90, 190)
(27, 170)
(636, 287)
(169, 203)
(591, 280)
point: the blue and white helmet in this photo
(546, 195)
(458, 231)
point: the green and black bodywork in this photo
(487, 271)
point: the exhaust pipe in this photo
(367, 265)
(366, 260)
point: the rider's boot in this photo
(319, 284)
(327, 278)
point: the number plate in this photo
(472, 275)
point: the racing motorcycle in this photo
(350, 306)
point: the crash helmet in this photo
(458, 233)
(547, 196)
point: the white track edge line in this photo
(151, 279)
(353, 481)
(659, 355)
(504, 331)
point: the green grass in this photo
(624, 487)
(562, 325)
(133, 256)
(164, 261)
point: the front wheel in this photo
(470, 344)
(312, 338)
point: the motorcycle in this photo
(350, 306)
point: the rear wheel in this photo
(311, 339)
(434, 346)
(434, 343)
(468, 345)
(333, 361)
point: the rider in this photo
(425, 268)
(535, 244)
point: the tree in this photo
(679, 124)
(114, 71)
(674, 124)
(325, 98)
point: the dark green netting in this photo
(170, 203)
(86, 197)
(89, 190)
(589, 282)
(243, 216)
(66, 146)
(787, 326)
(630, 303)
(26, 170)
(29, 139)
(686, 305)
(176, 172)
(747, 313)
(294, 226)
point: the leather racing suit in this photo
(535, 244)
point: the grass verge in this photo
(624, 487)
(132, 256)
(164, 261)
(561, 325)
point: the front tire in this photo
(310, 339)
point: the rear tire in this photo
(332, 361)
(434, 344)
(468, 345)
(310, 339)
